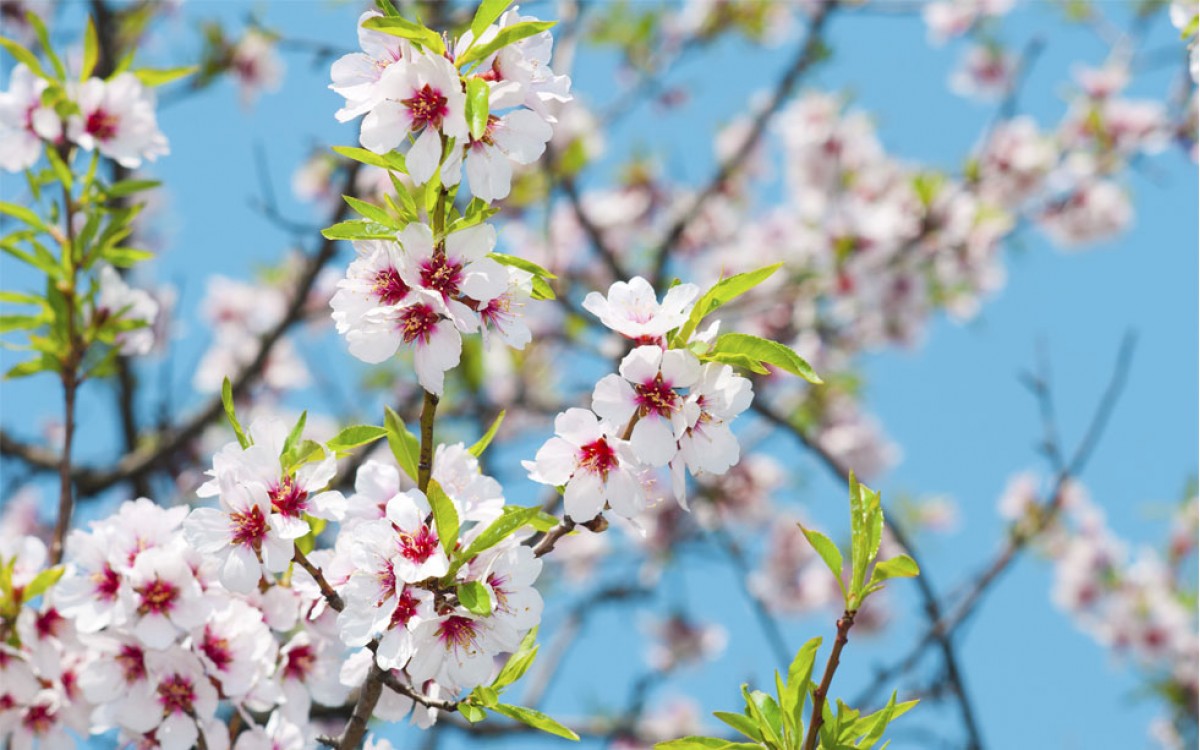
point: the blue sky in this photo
(954, 403)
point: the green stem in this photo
(70, 381)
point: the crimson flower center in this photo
(457, 632)
(289, 498)
(426, 107)
(38, 719)
(216, 649)
(441, 275)
(107, 582)
(132, 662)
(158, 597)
(597, 457)
(249, 528)
(176, 694)
(656, 397)
(300, 661)
(418, 322)
(389, 287)
(406, 609)
(102, 125)
(420, 546)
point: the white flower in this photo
(510, 572)
(236, 647)
(117, 117)
(632, 310)
(308, 672)
(646, 388)
(519, 136)
(420, 552)
(257, 65)
(397, 645)
(167, 599)
(708, 444)
(520, 73)
(244, 537)
(177, 697)
(94, 591)
(421, 322)
(422, 97)
(116, 300)
(596, 467)
(455, 650)
(372, 280)
(476, 496)
(278, 734)
(356, 75)
(503, 312)
(463, 269)
(24, 122)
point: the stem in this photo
(425, 461)
(332, 597)
(843, 636)
(367, 698)
(70, 381)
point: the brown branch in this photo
(843, 636)
(332, 597)
(811, 52)
(69, 375)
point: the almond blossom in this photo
(24, 121)
(645, 396)
(117, 117)
(632, 309)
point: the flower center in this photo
(101, 125)
(418, 322)
(598, 458)
(300, 662)
(47, 623)
(426, 107)
(288, 498)
(656, 397)
(389, 287)
(406, 609)
(107, 582)
(420, 546)
(441, 275)
(38, 719)
(457, 632)
(249, 528)
(176, 695)
(158, 596)
(216, 649)
(132, 662)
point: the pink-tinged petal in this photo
(207, 529)
(613, 400)
(472, 243)
(624, 493)
(417, 240)
(653, 441)
(489, 173)
(373, 345)
(680, 368)
(404, 511)
(384, 128)
(424, 157)
(642, 364)
(679, 480)
(555, 462)
(155, 630)
(277, 553)
(440, 354)
(578, 426)
(288, 527)
(583, 498)
(485, 280)
(328, 505)
(523, 136)
(241, 571)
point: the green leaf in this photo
(371, 211)
(61, 170)
(129, 187)
(24, 298)
(798, 676)
(765, 350)
(743, 361)
(39, 28)
(293, 437)
(231, 413)
(20, 322)
(740, 722)
(24, 56)
(705, 743)
(306, 452)
(390, 161)
(506, 36)
(354, 436)
(900, 566)
(512, 519)
(24, 369)
(405, 446)
(91, 50)
(828, 551)
(151, 77)
(485, 696)
(482, 443)
(445, 515)
(358, 230)
(486, 14)
(43, 581)
(471, 712)
(520, 661)
(721, 293)
(535, 719)
(866, 531)
(765, 711)
(405, 29)
(475, 597)
(477, 107)
(126, 257)
(24, 214)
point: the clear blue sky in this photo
(954, 404)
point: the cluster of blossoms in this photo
(1137, 604)
(664, 408)
(114, 116)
